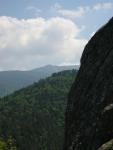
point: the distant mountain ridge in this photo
(11, 81)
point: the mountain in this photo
(89, 114)
(33, 117)
(11, 81)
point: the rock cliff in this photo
(89, 114)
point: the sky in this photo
(34, 33)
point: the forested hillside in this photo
(11, 81)
(33, 117)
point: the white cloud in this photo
(80, 11)
(72, 14)
(56, 6)
(92, 34)
(30, 43)
(107, 5)
(34, 10)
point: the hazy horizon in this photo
(77, 65)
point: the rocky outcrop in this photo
(107, 146)
(89, 114)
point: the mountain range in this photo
(11, 81)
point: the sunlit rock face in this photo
(107, 146)
(89, 114)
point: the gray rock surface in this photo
(107, 146)
(89, 114)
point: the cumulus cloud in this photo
(30, 43)
(100, 6)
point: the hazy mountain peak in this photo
(14, 80)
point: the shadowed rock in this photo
(89, 114)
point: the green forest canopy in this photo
(34, 116)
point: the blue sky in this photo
(41, 32)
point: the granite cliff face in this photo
(89, 114)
